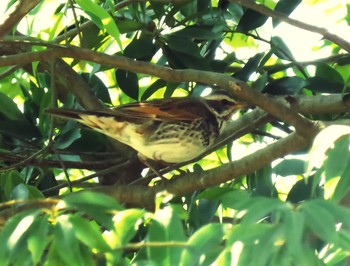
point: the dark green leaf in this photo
(67, 137)
(98, 87)
(198, 33)
(170, 88)
(261, 82)
(9, 180)
(302, 190)
(324, 85)
(155, 86)
(280, 49)
(146, 53)
(128, 83)
(249, 68)
(182, 45)
(286, 7)
(290, 167)
(286, 85)
(251, 20)
(9, 109)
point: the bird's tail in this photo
(65, 113)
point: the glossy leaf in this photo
(88, 233)
(249, 68)
(251, 20)
(286, 85)
(126, 224)
(155, 86)
(280, 49)
(128, 83)
(165, 227)
(286, 7)
(101, 18)
(289, 167)
(319, 220)
(204, 242)
(146, 53)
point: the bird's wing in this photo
(162, 110)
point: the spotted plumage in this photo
(170, 130)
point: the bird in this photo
(172, 130)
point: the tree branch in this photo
(236, 87)
(14, 14)
(282, 17)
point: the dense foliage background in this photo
(273, 191)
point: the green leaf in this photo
(280, 49)
(206, 242)
(128, 83)
(260, 207)
(146, 53)
(251, 20)
(249, 68)
(9, 180)
(9, 108)
(98, 205)
(88, 233)
(38, 238)
(66, 242)
(319, 219)
(347, 17)
(165, 227)
(326, 79)
(286, 7)
(182, 45)
(301, 190)
(11, 235)
(198, 32)
(324, 85)
(289, 167)
(293, 226)
(323, 142)
(101, 18)
(126, 225)
(338, 158)
(98, 87)
(154, 87)
(67, 136)
(286, 85)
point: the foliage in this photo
(57, 205)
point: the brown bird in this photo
(171, 130)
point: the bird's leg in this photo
(148, 163)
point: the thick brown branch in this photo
(236, 87)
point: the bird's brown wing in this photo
(184, 109)
(180, 109)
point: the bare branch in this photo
(282, 17)
(14, 14)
